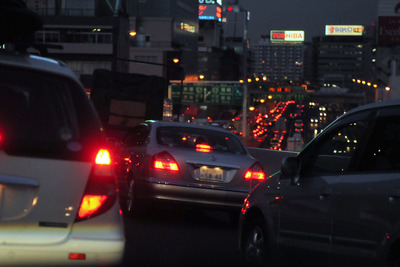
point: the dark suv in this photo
(337, 203)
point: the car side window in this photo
(382, 151)
(137, 137)
(334, 154)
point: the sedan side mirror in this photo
(289, 169)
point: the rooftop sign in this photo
(210, 12)
(287, 36)
(344, 30)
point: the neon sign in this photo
(210, 12)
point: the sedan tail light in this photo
(101, 190)
(164, 162)
(256, 172)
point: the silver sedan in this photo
(185, 163)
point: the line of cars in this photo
(336, 204)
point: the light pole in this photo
(244, 111)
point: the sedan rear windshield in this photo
(191, 138)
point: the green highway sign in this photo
(208, 94)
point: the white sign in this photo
(287, 36)
(344, 30)
(210, 2)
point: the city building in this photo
(338, 59)
(132, 36)
(86, 35)
(387, 64)
(235, 40)
(278, 61)
(164, 31)
(210, 40)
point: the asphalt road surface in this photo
(181, 237)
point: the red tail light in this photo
(164, 162)
(101, 190)
(103, 157)
(203, 148)
(256, 172)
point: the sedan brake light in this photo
(203, 148)
(101, 189)
(165, 162)
(256, 172)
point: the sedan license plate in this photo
(211, 173)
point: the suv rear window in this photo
(38, 114)
(189, 137)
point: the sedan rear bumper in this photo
(202, 195)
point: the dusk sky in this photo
(308, 15)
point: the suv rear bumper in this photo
(97, 253)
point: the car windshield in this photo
(190, 137)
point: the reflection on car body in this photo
(185, 163)
(337, 202)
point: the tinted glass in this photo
(334, 154)
(188, 137)
(44, 115)
(383, 150)
(137, 137)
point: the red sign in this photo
(278, 35)
(389, 30)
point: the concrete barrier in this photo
(270, 159)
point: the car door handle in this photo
(325, 192)
(394, 195)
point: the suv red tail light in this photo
(256, 172)
(101, 190)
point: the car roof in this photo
(36, 63)
(158, 123)
(376, 105)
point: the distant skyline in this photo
(308, 15)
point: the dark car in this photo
(337, 203)
(185, 163)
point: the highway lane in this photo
(173, 236)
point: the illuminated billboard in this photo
(287, 36)
(210, 12)
(344, 30)
(210, 2)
